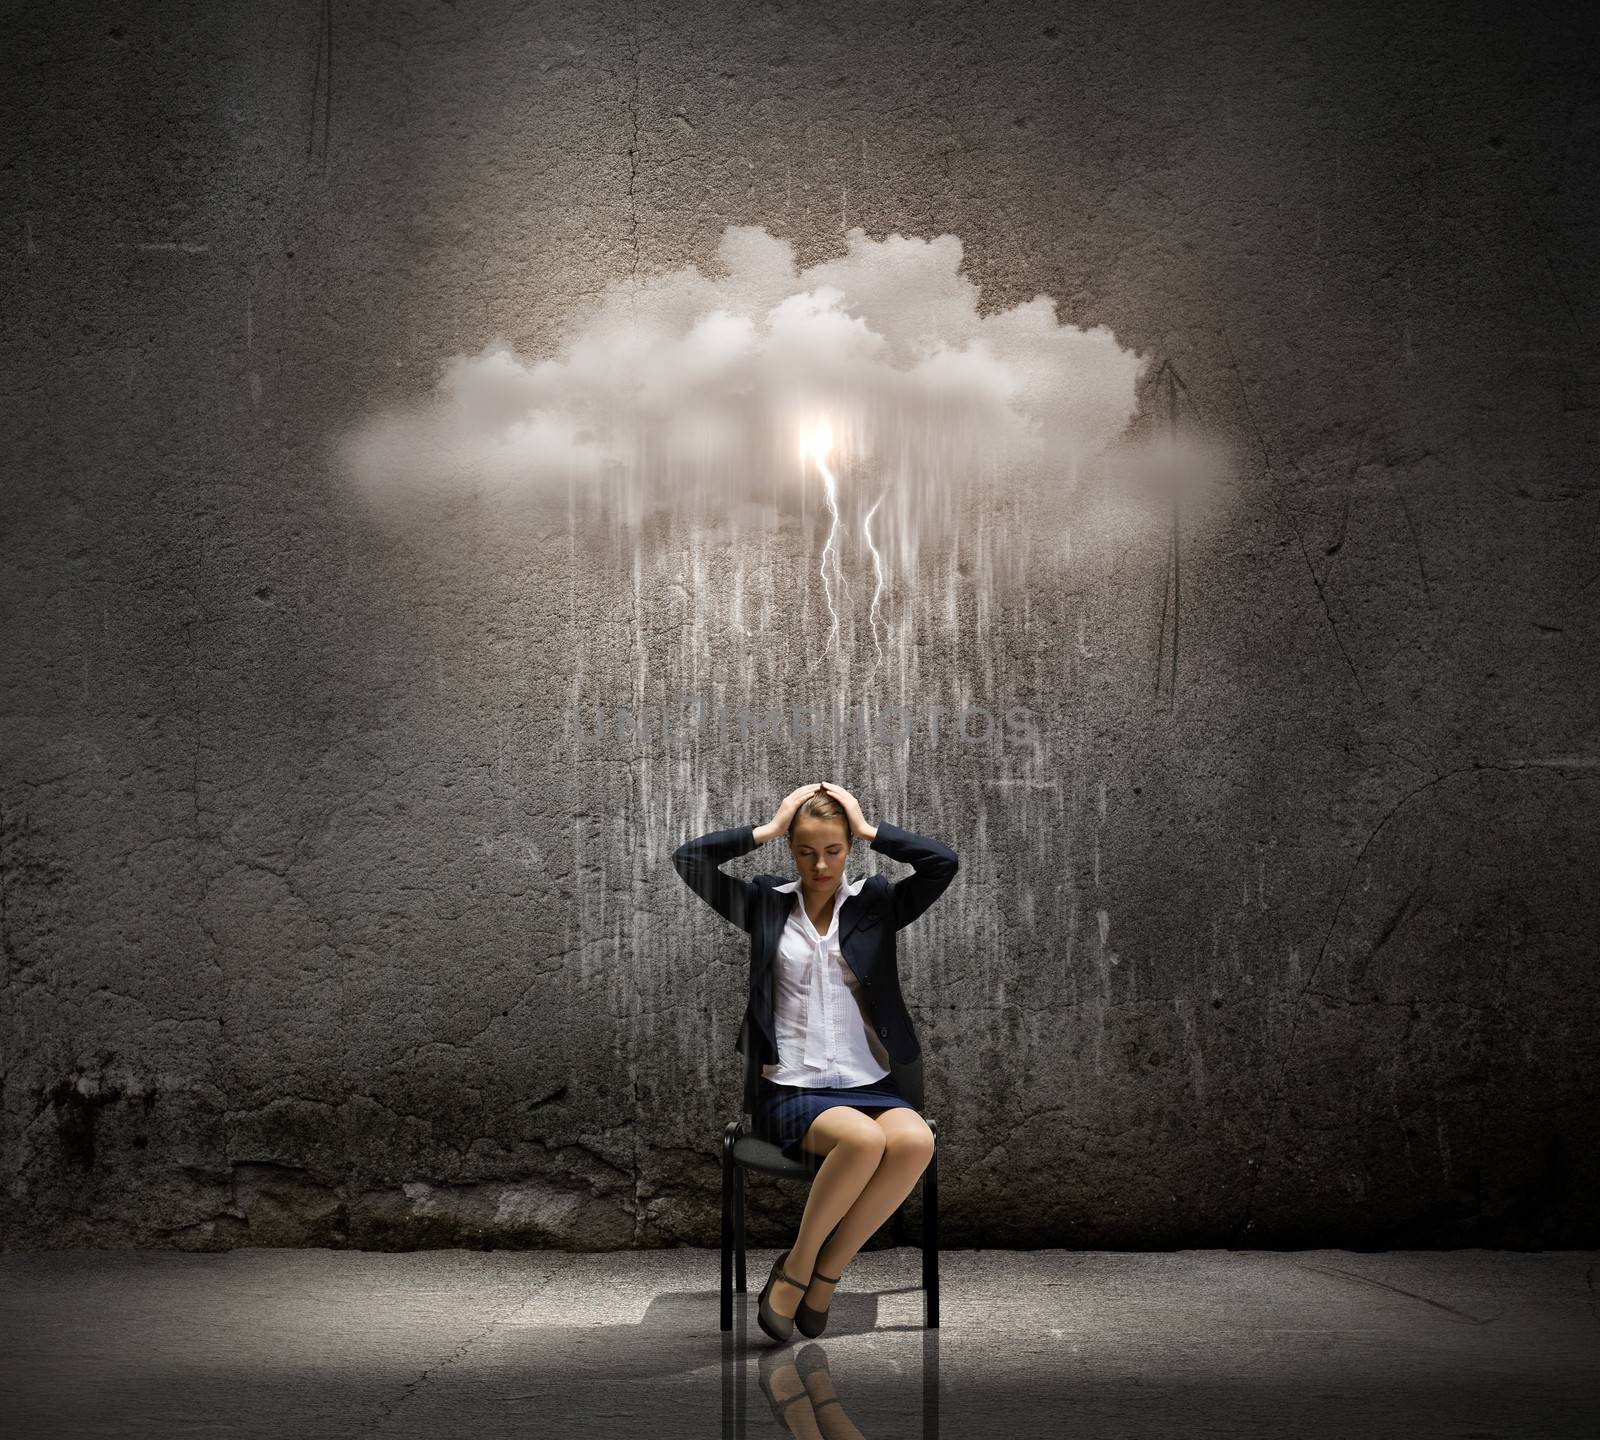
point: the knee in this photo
(865, 1140)
(910, 1144)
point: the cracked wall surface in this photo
(319, 923)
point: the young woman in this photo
(827, 1017)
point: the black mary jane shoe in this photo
(779, 1327)
(811, 1323)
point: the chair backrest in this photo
(752, 1075)
(909, 1078)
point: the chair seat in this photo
(766, 1157)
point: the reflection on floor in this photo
(1043, 1343)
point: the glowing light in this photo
(816, 442)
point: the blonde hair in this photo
(822, 806)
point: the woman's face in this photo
(820, 848)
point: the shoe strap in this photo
(831, 1279)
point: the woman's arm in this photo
(699, 861)
(934, 867)
(933, 861)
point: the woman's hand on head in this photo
(859, 825)
(785, 812)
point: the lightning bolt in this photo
(831, 488)
(816, 444)
(877, 572)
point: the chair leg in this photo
(738, 1229)
(727, 1229)
(930, 1243)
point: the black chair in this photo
(742, 1151)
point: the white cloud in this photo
(692, 383)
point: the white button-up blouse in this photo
(823, 1033)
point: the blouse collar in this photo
(849, 887)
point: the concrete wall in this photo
(321, 925)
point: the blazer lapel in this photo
(851, 909)
(852, 912)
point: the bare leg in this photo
(908, 1146)
(853, 1145)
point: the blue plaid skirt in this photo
(784, 1113)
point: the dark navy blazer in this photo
(868, 923)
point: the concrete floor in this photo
(1465, 1343)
